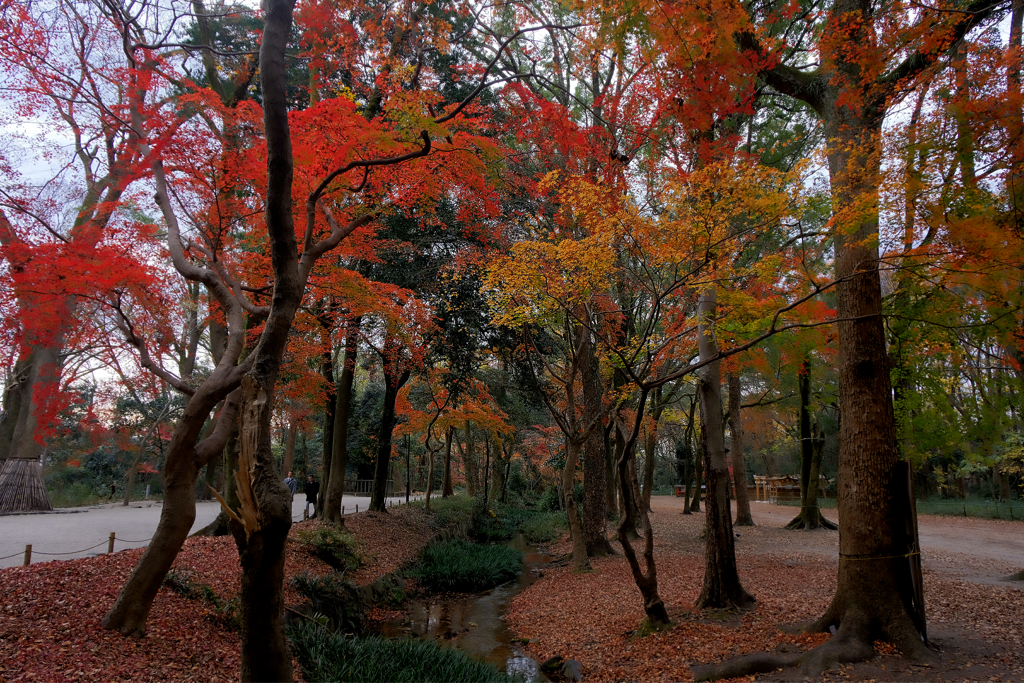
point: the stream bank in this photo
(475, 623)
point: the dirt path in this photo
(976, 550)
(975, 619)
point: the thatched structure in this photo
(21, 486)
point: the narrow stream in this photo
(476, 624)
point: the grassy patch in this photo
(338, 549)
(464, 566)
(332, 657)
(544, 527)
(451, 511)
(982, 508)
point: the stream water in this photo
(476, 623)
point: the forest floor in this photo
(51, 612)
(976, 619)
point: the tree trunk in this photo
(579, 544)
(289, 446)
(722, 588)
(21, 482)
(447, 489)
(629, 492)
(393, 383)
(261, 531)
(469, 462)
(339, 458)
(595, 514)
(739, 465)
(698, 481)
(871, 596)
(812, 446)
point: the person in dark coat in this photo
(312, 489)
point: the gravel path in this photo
(84, 532)
(976, 550)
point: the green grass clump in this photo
(451, 511)
(544, 527)
(336, 548)
(333, 657)
(464, 566)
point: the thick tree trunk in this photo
(739, 466)
(21, 482)
(378, 492)
(874, 574)
(698, 481)
(595, 513)
(469, 462)
(447, 489)
(327, 320)
(580, 562)
(722, 587)
(331, 512)
(289, 446)
(131, 610)
(261, 531)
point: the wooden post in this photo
(342, 510)
(110, 543)
(357, 508)
(305, 514)
(28, 554)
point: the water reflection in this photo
(476, 624)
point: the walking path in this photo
(83, 532)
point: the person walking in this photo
(312, 489)
(290, 482)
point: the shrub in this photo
(464, 566)
(327, 656)
(544, 527)
(334, 597)
(338, 549)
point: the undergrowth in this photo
(463, 566)
(326, 656)
(338, 549)
(334, 597)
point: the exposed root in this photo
(811, 520)
(760, 663)
(1019, 576)
(851, 643)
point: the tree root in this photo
(1019, 576)
(809, 521)
(850, 644)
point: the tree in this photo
(858, 79)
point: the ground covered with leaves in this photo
(51, 612)
(593, 617)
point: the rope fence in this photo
(113, 537)
(109, 543)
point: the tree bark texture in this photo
(739, 465)
(339, 456)
(447, 489)
(722, 587)
(646, 577)
(595, 514)
(394, 379)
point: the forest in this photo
(571, 253)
